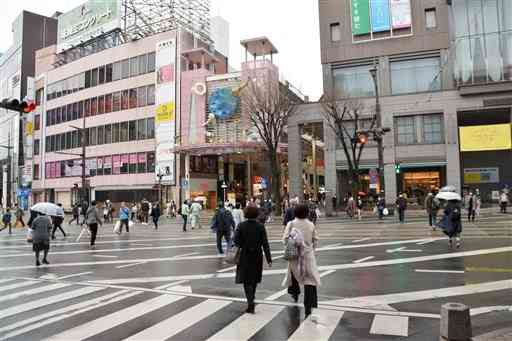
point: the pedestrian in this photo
(503, 202)
(144, 205)
(19, 216)
(289, 214)
(124, 218)
(84, 207)
(303, 270)
(429, 208)
(7, 220)
(195, 215)
(40, 225)
(268, 207)
(184, 214)
(109, 211)
(451, 222)
(155, 214)
(238, 215)
(133, 212)
(359, 207)
(401, 205)
(76, 214)
(57, 224)
(351, 206)
(173, 209)
(93, 219)
(251, 238)
(471, 207)
(312, 209)
(223, 225)
(381, 205)
(334, 203)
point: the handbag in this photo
(233, 256)
(29, 235)
(385, 211)
(291, 250)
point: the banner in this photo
(486, 137)
(481, 175)
(401, 13)
(360, 17)
(381, 20)
(165, 115)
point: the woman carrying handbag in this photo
(251, 239)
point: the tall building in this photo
(17, 66)
(445, 85)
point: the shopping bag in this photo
(233, 255)
(117, 227)
(130, 224)
(385, 211)
(29, 235)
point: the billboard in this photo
(481, 175)
(165, 116)
(87, 21)
(401, 13)
(381, 20)
(360, 17)
(485, 137)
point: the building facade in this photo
(441, 66)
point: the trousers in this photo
(310, 295)
(94, 232)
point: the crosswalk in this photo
(45, 310)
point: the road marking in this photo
(105, 256)
(363, 259)
(333, 245)
(486, 269)
(244, 327)
(361, 240)
(170, 285)
(17, 285)
(177, 323)
(107, 322)
(390, 325)
(143, 244)
(322, 329)
(485, 310)
(440, 271)
(129, 265)
(187, 254)
(280, 293)
(402, 249)
(427, 242)
(6, 280)
(76, 275)
(33, 291)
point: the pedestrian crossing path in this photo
(46, 310)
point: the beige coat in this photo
(310, 275)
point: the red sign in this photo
(133, 159)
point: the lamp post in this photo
(378, 120)
(160, 175)
(224, 187)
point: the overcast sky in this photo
(290, 24)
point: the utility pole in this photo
(378, 119)
(85, 197)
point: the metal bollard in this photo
(455, 322)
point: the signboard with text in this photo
(481, 175)
(360, 17)
(381, 20)
(401, 13)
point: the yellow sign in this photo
(29, 128)
(487, 137)
(471, 178)
(165, 112)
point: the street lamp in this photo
(224, 187)
(378, 120)
(160, 175)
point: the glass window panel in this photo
(94, 77)
(99, 166)
(143, 64)
(116, 101)
(507, 54)
(494, 60)
(58, 114)
(108, 134)
(94, 106)
(63, 141)
(101, 105)
(69, 140)
(108, 73)
(141, 129)
(134, 66)
(150, 128)
(47, 144)
(115, 132)
(123, 132)
(151, 94)
(101, 75)
(405, 130)
(433, 129)
(125, 100)
(93, 136)
(475, 17)
(125, 68)
(125, 158)
(36, 147)
(354, 82)
(415, 75)
(101, 135)
(335, 31)
(75, 111)
(87, 107)
(81, 81)
(141, 163)
(69, 114)
(87, 79)
(76, 139)
(37, 122)
(80, 109)
(151, 62)
(142, 96)
(133, 98)
(56, 143)
(116, 71)
(108, 103)
(151, 162)
(132, 131)
(107, 165)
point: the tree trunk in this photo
(276, 182)
(354, 176)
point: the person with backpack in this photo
(301, 239)
(223, 224)
(7, 220)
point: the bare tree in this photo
(345, 119)
(269, 104)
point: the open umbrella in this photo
(448, 188)
(448, 196)
(48, 208)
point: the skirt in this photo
(41, 246)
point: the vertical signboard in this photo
(360, 17)
(381, 20)
(401, 13)
(165, 116)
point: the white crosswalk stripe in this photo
(319, 330)
(17, 285)
(390, 325)
(39, 290)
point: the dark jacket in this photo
(451, 222)
(289, 215)
(401, 203)
(41, 229)
(223, 220)
(251, 238)
(155, 212)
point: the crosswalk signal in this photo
(397, 168)
(13, 104)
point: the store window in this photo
(335, 29)
(418, 75)
(354, 82)
(433, 129)
(405, 130)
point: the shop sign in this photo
(360, 17)
(401, 13)
(481, 175)
(380, 15)
(87, 22)
(485, 137)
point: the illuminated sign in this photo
(481, 175)
(486, 137)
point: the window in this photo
(93, 136)
(108, 134)
(37, 122)
(430, 18)
(101, 75)
(56, 143)
(142, 96)
(81, 81)
(101, 135)
(133, 98)
(39, 96)
(116, 71)
(125, 68)
(125, 100)
(94, 106)
(108, 73)
(151, 94)
(405, 130)
(63, 141)
(433, 129)
(47, 144)
(101, 105)
(115, 132)
(116, 101)
(80, 109)
(94, 77)
(57, 115)
(69, 115)
(36, 147)
(416, 75)
(134, 66)
(151, 162)
(141, 163)
(125, 159)
(108, 103)
(354, 82)
(75, 137)
(151, 62)
(107, 165)
(69, 140)
(132, 131)
(141, 129)
(133, 164)
(87, 79)
(87, 108)
(123, 132)
(36, 171)
(335, 31)
(75, 111)
(151, 128)
(99, 166)
(143, 64)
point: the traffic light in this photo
(13, 104)
(362, 138)
(397, 168)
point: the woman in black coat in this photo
(251, 238)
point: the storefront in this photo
(416, 181)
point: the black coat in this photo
(251, 238)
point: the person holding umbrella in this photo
(40, 228)
(451, 222)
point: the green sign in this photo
(360, 17)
